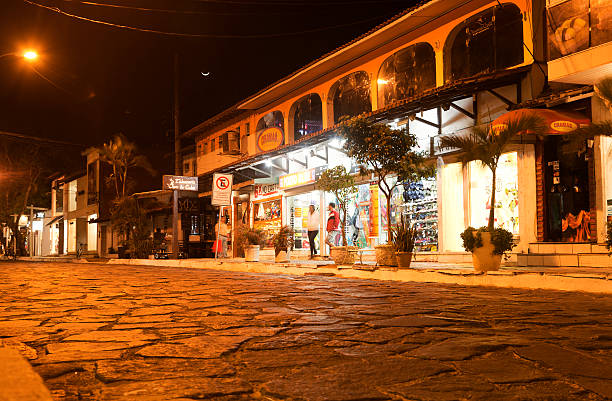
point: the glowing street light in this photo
(30, 55)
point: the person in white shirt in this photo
(313, 229)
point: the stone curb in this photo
(18, 381)
(593, 282)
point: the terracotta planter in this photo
(483, 258)
(341, 255)
(283, 257)
(403, 259)
(385, 255)
(251, 253)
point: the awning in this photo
(55, 220)
(556, 122)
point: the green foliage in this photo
(501, 239)
(603, 90)
(340, 183)
(122, 155)
(283, 240)
(130, 220)
(384, 152)
(404, 235)
(246, 236)
(486, 145)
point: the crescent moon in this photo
(205, 75)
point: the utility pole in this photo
(177, 139)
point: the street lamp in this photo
(29, 55)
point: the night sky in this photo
(94, 80)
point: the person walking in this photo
(333, 221)
(223, 232)
(313, 229)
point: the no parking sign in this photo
(222, 189)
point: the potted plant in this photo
(486, 145)
(342, 185)
(250, 240)
(404, 235)
(389, 156)
(283, 243)
(487, 254)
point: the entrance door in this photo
(567, 189)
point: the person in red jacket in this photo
(333, 221)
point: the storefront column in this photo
(450, 202)
(528, 219)
(323, 224)
(603, 183)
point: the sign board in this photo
(262, 190)
(296, 179)
(270, 138)
(181, 183)
(222, 189)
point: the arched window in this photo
(307, 116)
(270, 131)
(351, 95)
(406, 73)
(272, 119)
(486, 42)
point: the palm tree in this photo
(122, 155)
(487, 145)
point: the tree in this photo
(21, 169)
(127, 217)
(603, 90)
(384, 152)
(122, 155)
(486, 145)
(340, 183)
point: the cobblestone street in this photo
(98, 332)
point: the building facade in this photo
(439, 68)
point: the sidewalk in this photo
(595, 280)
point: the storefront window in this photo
(421, 207)
(486, 42)
(308, 116)
(267, 217)
(406, 73)
(351, 95)
(298, 206)
(506, 194)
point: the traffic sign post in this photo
(177, 183)
(221, 196)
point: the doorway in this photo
(566, 166)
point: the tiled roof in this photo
(554, 98)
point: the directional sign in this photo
(222, 189)
(181, 183)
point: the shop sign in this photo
(187, 205)
(564, 126)
(262, 190)
(222, 189)
(296, 179)
(181, 183)
(270, 138)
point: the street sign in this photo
(181, 183)
(222, 189)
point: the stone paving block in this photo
(503, 368)
(195, 347)
(160, 369)
(18, 381)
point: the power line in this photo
(38, 139)
(198, 35)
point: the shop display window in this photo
(267, 217)
(421, 206)
(506, 194)
(297, 207)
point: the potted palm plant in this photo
(283, 243)
(486, 145)
(250, 240)
(404, 235)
